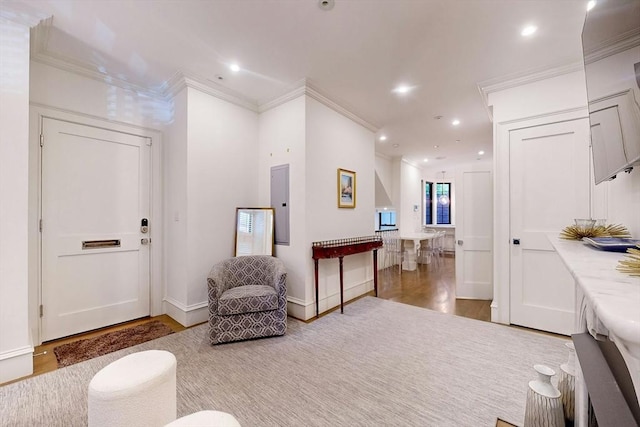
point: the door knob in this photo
(516, 241)
(145, 241)
(460, 242)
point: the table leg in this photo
(375, 271)
(341, 288)
(315, 261)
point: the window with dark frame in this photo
(428, 203)
(387, 219)
(443, 210)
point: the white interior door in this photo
(549, 187)
(474, 235)
(95, 192)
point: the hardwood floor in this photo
(44, 359)
(428, 287)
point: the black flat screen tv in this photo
(611, 47)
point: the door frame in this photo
(500, 310)
(37, 112)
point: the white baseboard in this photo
(305, 310)
(186, 315)
(16, 363)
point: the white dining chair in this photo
(393, 250)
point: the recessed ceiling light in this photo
(402, 89)
(455, 122)
(436, 146)
(528, 30)
(591, 4)
(326, 4)
(480, 153)
(383, 138)
(425, 160)
(457, 140)
(396, 145)
(234, 67)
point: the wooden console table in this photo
(339, 249)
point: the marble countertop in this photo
(613, 296)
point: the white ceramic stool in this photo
(206, 419)
(137, 390)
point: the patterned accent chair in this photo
(247, 298)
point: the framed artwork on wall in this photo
(346, 189)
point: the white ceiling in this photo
(355, 53)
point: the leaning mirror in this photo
(254, 231)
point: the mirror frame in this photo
(269, 227)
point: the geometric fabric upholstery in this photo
(247, 298)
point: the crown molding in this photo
(182, 79)
(20, 17)
(292, 92)
(507, 82)
(40, 38)
(612, 46)
(532, 76)
(384, 156)
(307, 87)
(313, 92)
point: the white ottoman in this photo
(206, 419)
(136, 390)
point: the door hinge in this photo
(40, 225)
(41, 140)
(41, 310)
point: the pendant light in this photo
(443, 199)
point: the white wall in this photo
(68, 91)
(281, 139)
(211, 168)
(384, 187)
(333, 141)
(222, 174)
(410, 196)
(543, 97)
(15, 343)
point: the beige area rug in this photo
(381, 363)
(79, 351)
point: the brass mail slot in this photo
(99, 244)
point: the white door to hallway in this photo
(95, 193)
(474, 235)
(549, 187)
